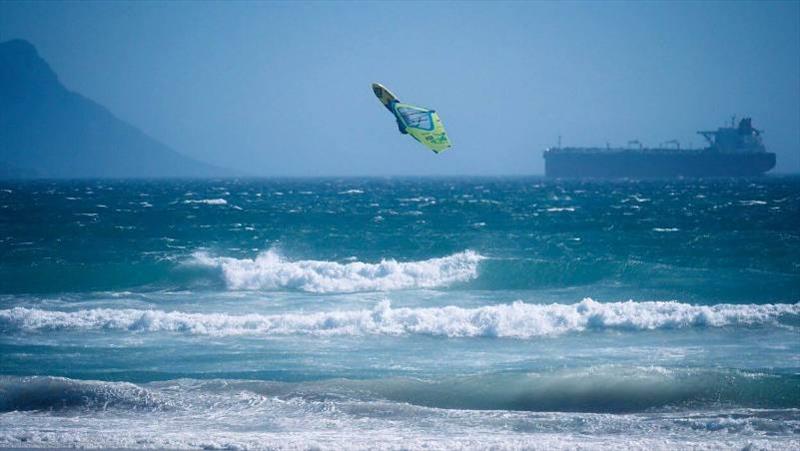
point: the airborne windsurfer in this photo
(422, 124)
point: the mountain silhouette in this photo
(48, 131)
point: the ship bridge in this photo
(744, 138)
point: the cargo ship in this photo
(731, 152)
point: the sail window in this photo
(416, 117)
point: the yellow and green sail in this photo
(422, 124)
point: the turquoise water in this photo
(400, 313)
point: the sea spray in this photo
(271, 271)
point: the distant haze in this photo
(48, 131)
(284, 88)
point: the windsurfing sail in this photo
(422, 124)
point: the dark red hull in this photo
(656, 164)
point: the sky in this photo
(283, 88)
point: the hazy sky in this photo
(284, 88)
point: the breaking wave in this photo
(598, 389)
(58, 393)
(270, 271)
(517, 320)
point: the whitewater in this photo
(436, 313)
(269, 270)
(516, 320)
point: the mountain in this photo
(49, 131)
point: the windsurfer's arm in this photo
(400, 126)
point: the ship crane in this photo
(635, 141)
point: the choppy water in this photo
(400, 313)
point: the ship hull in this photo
(633, 164)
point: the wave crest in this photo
(270, 271)
(517, 320)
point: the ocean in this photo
(400, 313)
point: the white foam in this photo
(560, 209)
(424, 199)
(517, 320)
(218, 201)
(270, 271)
(750, 203)
(461, 431)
